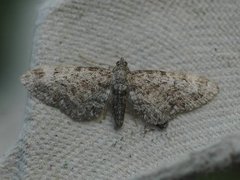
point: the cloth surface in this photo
(201, 37)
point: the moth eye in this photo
(125, 63)
(118, 63)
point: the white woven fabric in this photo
(202, 37)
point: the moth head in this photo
(122, 62)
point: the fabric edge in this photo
(214, 158)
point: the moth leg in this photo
(163, 126)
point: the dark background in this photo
(17, 19)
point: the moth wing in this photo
(158, 95)
(79, 92)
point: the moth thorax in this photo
(120, 89)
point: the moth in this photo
(83, 93)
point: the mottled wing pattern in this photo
(79, 92)
(158, 95)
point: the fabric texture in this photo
(201, 37)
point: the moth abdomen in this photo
(118, 107)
